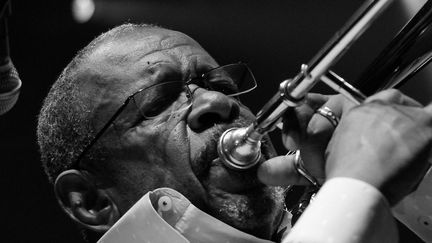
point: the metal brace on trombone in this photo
(239, 148)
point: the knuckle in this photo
(391, 95)
(313, 130)
(388, 95)
(393, 92)
(368, 108)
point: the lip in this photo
(230, 181)
(210, 170)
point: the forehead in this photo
(120, 66)
(128, 56)
(148, 47)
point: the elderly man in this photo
(140, 110)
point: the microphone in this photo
(10, 85)
(10, 82)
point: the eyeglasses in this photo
(164, 99)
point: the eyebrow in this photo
(152, 64)
(158, 49)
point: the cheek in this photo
(133, 180)
(176, 143)
(164, 140)
(158, 155)
(157, 150)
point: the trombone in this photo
(239, 148)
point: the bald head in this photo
(65, 121)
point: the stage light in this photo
(83, 10)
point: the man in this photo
(104, 151)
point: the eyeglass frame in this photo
(75, 163)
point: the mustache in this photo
(204, 159)
(219, 129)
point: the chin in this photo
(257, 211)
(237, 198)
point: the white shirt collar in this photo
(165, 215)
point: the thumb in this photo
(280, 171)
(428, 108)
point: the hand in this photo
(308, 131)
(384, 144)
(392, 112)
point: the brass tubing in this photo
(400, 55)
(240, 148)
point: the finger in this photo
(428, 109)
(315, 101)
(303, 113)
(295, 120)
(323, 125)
(338, 105)
(280, 171)
(319, 131)
(393, 96)
(293, 127)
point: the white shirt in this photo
(344, 210)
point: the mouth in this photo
(213, 174)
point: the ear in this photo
(91, 207)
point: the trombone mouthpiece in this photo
(238, 150)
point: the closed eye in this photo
(153, 101)
(159, 105)
(225, 86)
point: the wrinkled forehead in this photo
(150, 46)
(126, 58)
(121, 65)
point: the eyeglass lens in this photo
(232, 79)
(164, 98)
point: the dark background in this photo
(274, 37)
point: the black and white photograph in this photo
(177, 121)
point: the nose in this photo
(211, 107)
